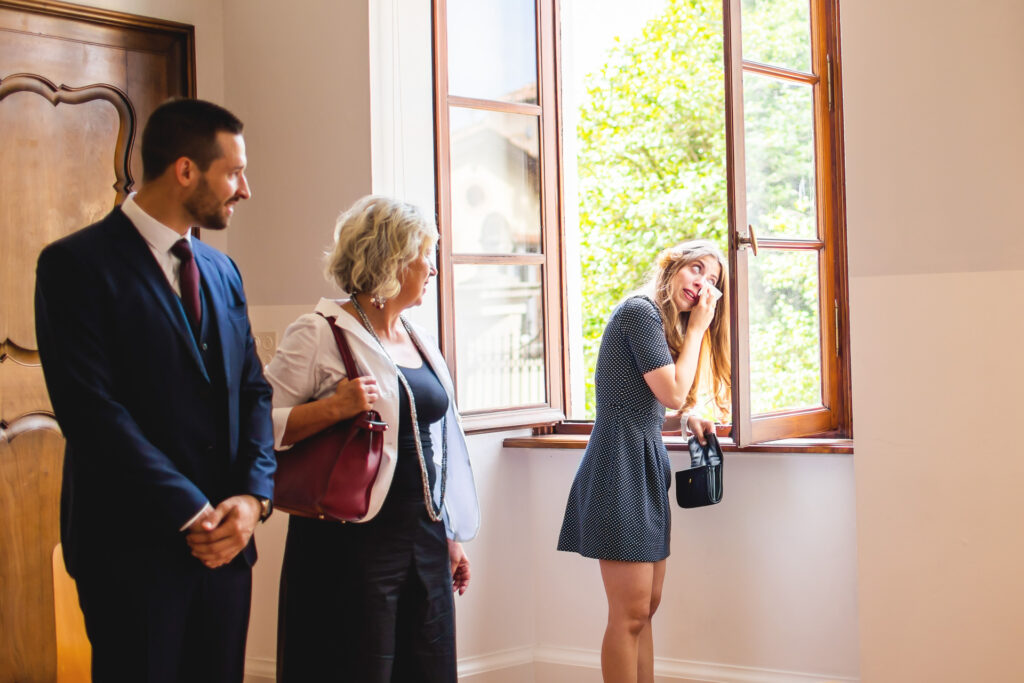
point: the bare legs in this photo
(634, 591)
(645, 651)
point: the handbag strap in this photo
(713, 448)
(343, 348)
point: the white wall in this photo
(934, 103)
(401, 117)
(298, 75)
(496, 617)
(765, 580)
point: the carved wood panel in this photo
(30, 473)
(66, 165)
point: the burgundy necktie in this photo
(188, 276)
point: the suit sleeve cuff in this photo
(196, 516)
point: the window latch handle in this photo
(750, 241)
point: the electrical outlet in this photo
(266, 344)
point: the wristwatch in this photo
(266, 508)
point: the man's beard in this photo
(204, 207)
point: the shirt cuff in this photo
(199, 514)
(280, 419)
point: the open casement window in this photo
(786, 238)
(499, 257)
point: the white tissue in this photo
(716, 294)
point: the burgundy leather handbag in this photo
(329, 475)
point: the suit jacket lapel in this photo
(219, 299)
(137, 256)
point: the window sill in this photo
(503, 420)
(678, 443)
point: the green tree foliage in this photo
(652, 173)
(784, 350)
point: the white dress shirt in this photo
(160, 239)
(307, 367)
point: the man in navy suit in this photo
(150, 363)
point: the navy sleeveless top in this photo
(431, 406)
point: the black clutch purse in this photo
(701, 484)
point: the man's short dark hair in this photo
(184, 128)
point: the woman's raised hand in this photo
(702, 312)
(354, 396)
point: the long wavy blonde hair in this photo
(714, 362)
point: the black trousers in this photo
(160, 616)
(367, 603)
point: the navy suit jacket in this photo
(151, 434)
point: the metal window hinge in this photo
(836, 309)
(828, 75)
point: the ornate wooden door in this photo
(75, 86)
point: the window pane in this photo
(495, 182)
(643, 95)
(777, 32)
(492, 50)
(499, 331)
(785, 358)
(779, 129)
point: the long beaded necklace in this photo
(435, 515)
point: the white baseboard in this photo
(494, 661)
(259, 670)
(683, 670)
(264, 670)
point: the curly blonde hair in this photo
(715, 361)
(374, 241)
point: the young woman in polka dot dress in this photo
(651, 358)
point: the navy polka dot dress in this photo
(618, 506)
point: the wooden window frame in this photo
(830, 423)
(834, 418)
(551, 257)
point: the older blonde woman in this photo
(372, 601)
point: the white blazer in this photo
(307, 367)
